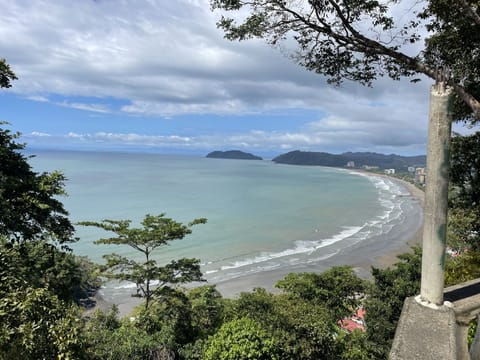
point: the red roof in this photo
(355, 322)
(351, 325)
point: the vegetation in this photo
(392, 161)
(41, 284)
(157, 231)
(40, 280)
(6, 74)
(39, 318)
(363, 40)
(29, 207)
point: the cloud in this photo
(166, 59)
(98, 108)
(159, 54)
(324, 134)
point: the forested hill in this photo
(360, 159)
(233, 154)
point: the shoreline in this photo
(380, 252)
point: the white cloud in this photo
(39, 134)
(166, 58)
(310, 138)
(98, 108)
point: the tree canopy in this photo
(156, 231)
(29, 207)
(363, 40)
(6, 74)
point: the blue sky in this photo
(158, 75)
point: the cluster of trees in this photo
(41, 283)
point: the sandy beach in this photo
(380, 251)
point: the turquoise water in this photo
(261, 215)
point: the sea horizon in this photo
(261, 216)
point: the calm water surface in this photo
(261, 215)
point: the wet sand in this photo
(380, 251)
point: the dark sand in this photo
(379, 252)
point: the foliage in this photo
(170, 316)
(465, 169)
(339, 289)
(6, 74)
(242, 339)
(384, 301)
(462, 268)
(354, 346)
(156, 231)
(41, 265)
(453, 44)
(303, 319)
(35, 324)
(124, 342)
(206, 310)
(29, 208)
(464, 203)
(362, 40)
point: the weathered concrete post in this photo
(436, 194)
(428, 328)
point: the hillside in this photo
(233, 154)
(360, 159)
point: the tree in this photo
(29, 208)
(361, 40)
(338, 288)
(35, 324)
(207, 309)
(242, 339)
(42, 265)
(384, 301)
(465, 170)
(305, 328)
(156, 232)
(6, 74)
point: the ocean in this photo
(261, 216)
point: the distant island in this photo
(233, 154)
(352, 159)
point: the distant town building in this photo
(411, 169)
(420, 175)
(351, 164)
(390, 171)
(368, 167)
(356, 322)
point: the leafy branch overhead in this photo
(362, 40)
(156, 231)
(6, 74)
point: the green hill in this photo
(360, 159)
(233, 154)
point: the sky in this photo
(159, 76)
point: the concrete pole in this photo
(436, 194)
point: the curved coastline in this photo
(379, 251)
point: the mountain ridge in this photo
(359, 159)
